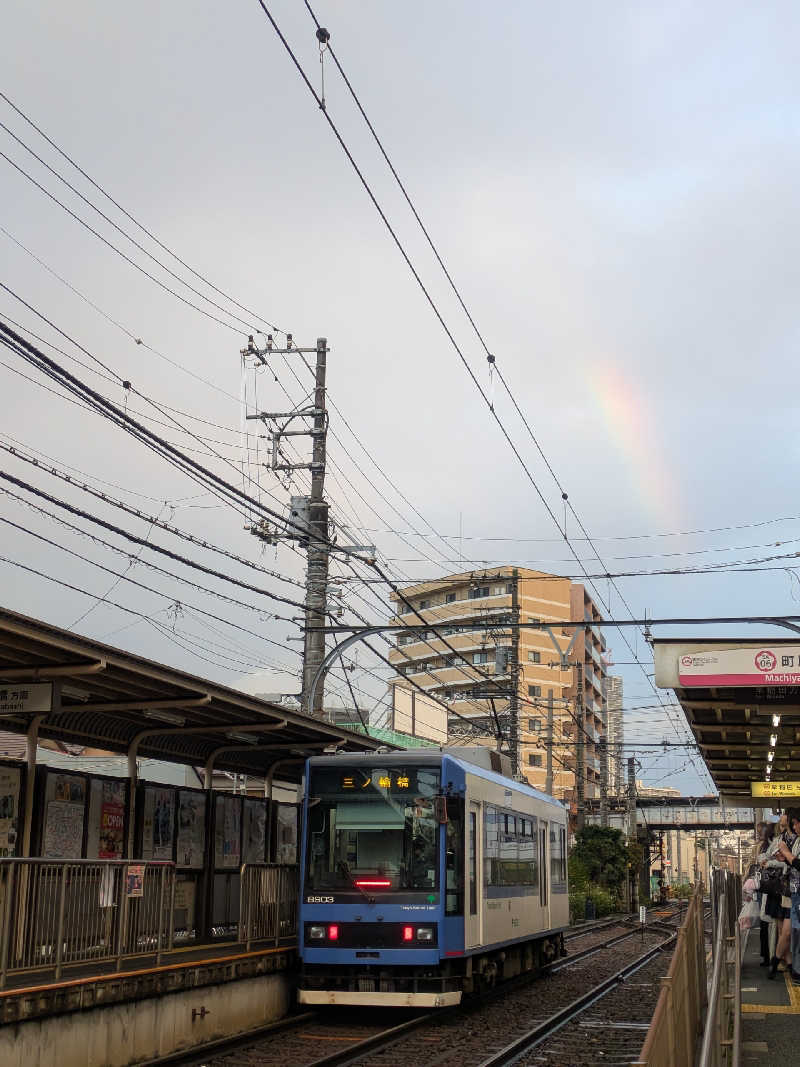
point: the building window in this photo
(534, 657)
(449, 598)
(534, 725)
(510, 587)
(534, 690)
(423, 604)
(478, 591)
(534, 759)
(480, 657)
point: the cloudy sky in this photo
(613, 188)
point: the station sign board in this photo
(753, 665)
(781, 790)
(35, 697)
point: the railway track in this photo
(459, 1036)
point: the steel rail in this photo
(517, 1048)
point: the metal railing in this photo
(268, 902)
(722, 1036)
(672, 1037)
(61, 913)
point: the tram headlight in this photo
(424, 933)
(316, 933)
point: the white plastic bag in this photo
(750, 915)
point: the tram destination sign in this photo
(754, 665)
(775, 789)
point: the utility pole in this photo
(580, 769)
(548, 781)
(317, 557)
(513, 702)
(632, 820)
(308, 520)
(603, 746)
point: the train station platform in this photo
(770, 1012)
(142, 915)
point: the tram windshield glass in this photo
(372, 828)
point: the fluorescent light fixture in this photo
(247, 739)
(776, 720)
(770, 756)
(74, 692)
(164, 716)
(773, 739)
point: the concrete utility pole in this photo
(603, 781)
(317, 558)
(632, 822)
(548, 781)
(580, 769)
(513, 702)
(308, 520)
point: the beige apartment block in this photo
(475, 676)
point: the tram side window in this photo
(454, 858)
(510, 849)
(558, 854)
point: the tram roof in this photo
(106, 698)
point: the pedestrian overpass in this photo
(674, 813)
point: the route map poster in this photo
(65, 806)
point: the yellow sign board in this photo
(775, 789)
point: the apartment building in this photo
(615, 734)
(485, 664)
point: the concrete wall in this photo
(137, 1031)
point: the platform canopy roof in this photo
(738, 695)
(86, 693)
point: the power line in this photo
(135, 221)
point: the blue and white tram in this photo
(425, 875)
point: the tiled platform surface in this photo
(770, 1013)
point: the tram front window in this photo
(372, 829)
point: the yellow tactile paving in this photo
(792, 1008)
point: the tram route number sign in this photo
(775, 789)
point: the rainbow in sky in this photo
(625, 409)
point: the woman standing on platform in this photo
(790, 854)
(779, 856)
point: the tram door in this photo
(543, 871)
(473, 898)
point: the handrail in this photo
(712, 1020)
(63, 912)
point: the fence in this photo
(59, 913)
(672, 1038)
(722, 1037)
(268, 902)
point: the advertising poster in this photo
(106, 820)
(227, 832)
(191, 829)
(159, 820)
(255, 831)
(9, 809)
(134, 881)
(286, 833)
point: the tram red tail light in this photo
(373, 883)
(408, 933)
(333, 933)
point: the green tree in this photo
(602, 854)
